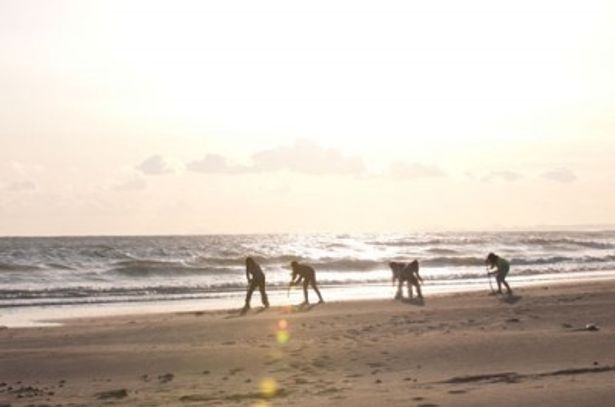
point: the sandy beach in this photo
(455, 350)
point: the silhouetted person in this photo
(308, 275)
(406, 272)
(499, 268)
(256, 278)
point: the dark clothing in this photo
(502, 267)
(256, 278)
(254, 271)
(406, 272)
(261, 287)
(304, 272)
(308, 276)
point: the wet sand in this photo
(456, 350)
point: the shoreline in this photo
(453, 350)
(33, 316)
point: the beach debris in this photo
(165, 378)
(591, 327)
(235, 370)
(26, 391)
(514, 377)
(112, 394)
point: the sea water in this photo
(59, 276)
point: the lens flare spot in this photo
(276, 355)
(283, 324)
(282, 336)
(261, 404)
(269, 387)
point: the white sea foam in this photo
(91, 270)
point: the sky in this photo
(190, 117)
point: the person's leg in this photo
(418, 290)
(399, 294)
(409, 289)
(305, 291)
(264, 299)
(251, 288)
(315, 287)
(507, 287)
(498, 280)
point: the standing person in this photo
(256, 278)
(499, 269)
(308, 275)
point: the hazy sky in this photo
(131, 117)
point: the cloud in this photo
(509, 176)
(215, 164)
(137, 184)
(307, 157)
(155, 165)
(20, 186)
(406, 170)
(563, 175)
(303, 156)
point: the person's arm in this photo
(298, 280)
(418, 276)
(248, 274)
(292, 279)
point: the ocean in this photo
(59, 273)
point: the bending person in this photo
(499, 269)
(406, 272)
(305, 273)
(256, 278)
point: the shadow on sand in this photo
(243, 312)
(510, 299)
(293, 309)
(416, 301)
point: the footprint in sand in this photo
(112, 394)
(165, 378)
(457, 392)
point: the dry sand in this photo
(459, 350)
